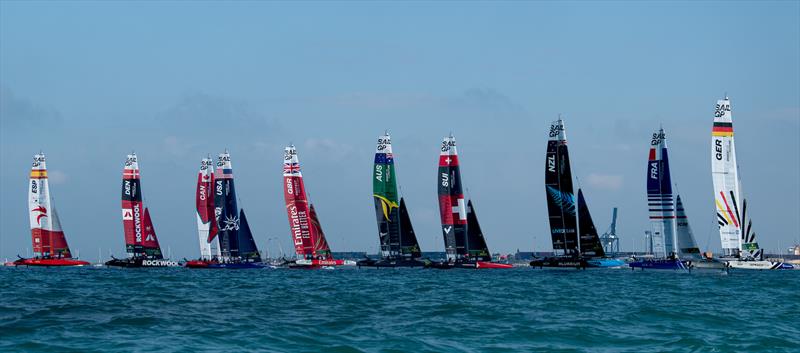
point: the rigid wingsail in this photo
(399, 246)
(310, 243)
(141, 242)
(739, 246)
(226, 240)
(50, 246)
(463, 249)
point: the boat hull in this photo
(661, 264)
(50, 262)
(758, 265)
(475, 265)
(605, 263)
(206, 264)
(387, 263)
(141, 263)
(560, 262)
(706, 264)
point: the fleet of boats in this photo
(226, 240)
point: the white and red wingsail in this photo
(140, 236)
(453, 209)
(48, 237)
(309, 240)
(206, 219)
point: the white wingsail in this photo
(735, 227)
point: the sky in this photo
(89, 82)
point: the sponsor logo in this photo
(551, 163)
(159, 263)
(447, 229)
(718, 149)
(127, 214)
(137, 223)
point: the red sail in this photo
(150, 240)
(204, 201)
(321, 249)
(294, 194)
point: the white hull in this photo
(754, 265)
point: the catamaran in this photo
(49, 242)
(464, 243)
(141, 243)
(226, 241)
(576, 245)
(674, 247)
(309, 240)
(739, 246)
(399, 246)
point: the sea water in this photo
(523, 309)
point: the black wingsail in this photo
(247, 245)
(477, 250)
(558, 188)
(409, 246)
(590, 241)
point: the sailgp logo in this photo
(556, 129)
(657, 138)
(721, 109)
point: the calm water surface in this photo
(94, 310)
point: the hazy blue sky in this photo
(87, 82)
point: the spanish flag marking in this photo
(39, 174)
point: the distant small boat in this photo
(464, 242)
(141, 242)
(739, 246)
(311, 246)
(49, 242)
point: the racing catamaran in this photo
(227, 242)
(49, 242)
(739, 246)
(464, 243)
(673, 243)
(309, 241)
(141, 243)
(399, 246)
(576, 245)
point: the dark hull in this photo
(560, 262)
(661, 264)
(474, 265)
(224, 265)
(141, 263)
(387, 263)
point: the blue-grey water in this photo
(164, 310)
